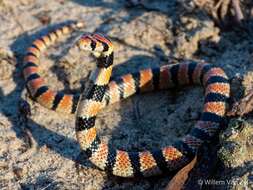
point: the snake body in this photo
(101, 92)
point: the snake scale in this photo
(101, 91)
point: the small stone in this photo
(19, 172)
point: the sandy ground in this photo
(41, 152)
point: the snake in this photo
(100, 91)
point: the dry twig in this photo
(238, 12)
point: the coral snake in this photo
(101, 92)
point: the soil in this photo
(38, 147)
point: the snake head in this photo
(99, 45)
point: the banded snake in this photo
(102, 92)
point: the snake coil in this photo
(101, 92)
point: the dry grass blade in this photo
(178, 181)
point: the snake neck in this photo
(91, 100)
